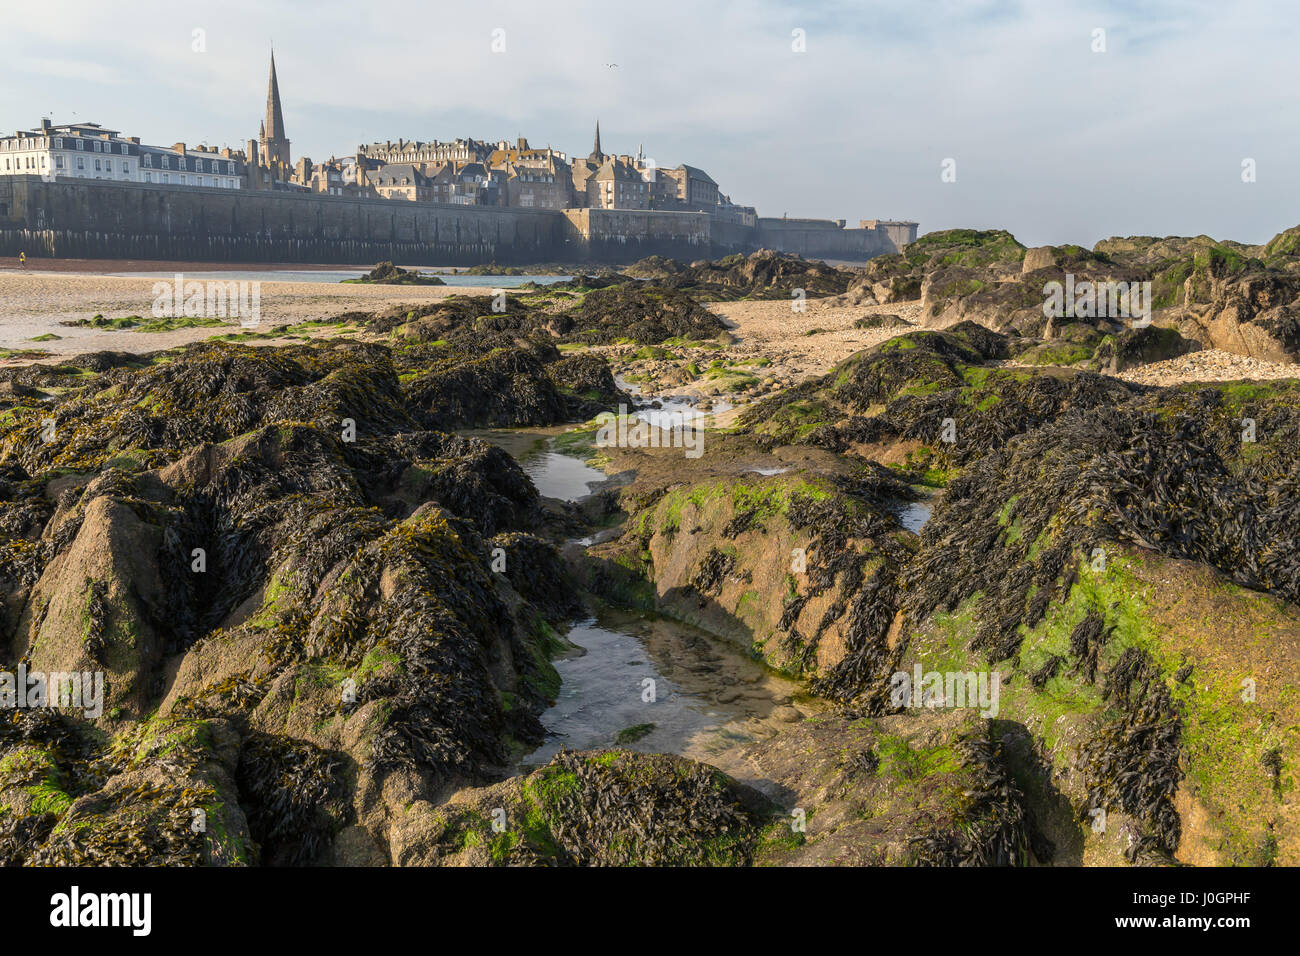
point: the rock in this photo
(1039, 257)
(762, 275)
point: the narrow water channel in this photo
(638, 680)
(555, 474)
(647, 683)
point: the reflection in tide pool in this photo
(673, 410)
(555, 475)
(913, 515)
(708, 696)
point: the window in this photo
(97, 165)
(148, 176)
(81, 162)
(58, 162)
(148, 159)
(166, 178)
(125, 167)
(58, 142)
(166, 164)
(80, 144)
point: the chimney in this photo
(179, 147)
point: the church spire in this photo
(274, 115)
(595, 150)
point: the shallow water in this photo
(556, 475)
(913, 515)
(673, 410)
(338, 275)
(708, 696)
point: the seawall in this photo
(99, 219)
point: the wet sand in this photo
(802, 344)
(34, 303)
(104, 266)
(797, 345)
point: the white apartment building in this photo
(90, 151)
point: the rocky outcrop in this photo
(716, 552)
(761, 275)
(298, 619)
(1103, 552)
(1221, 295)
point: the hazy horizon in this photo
(1052, 141)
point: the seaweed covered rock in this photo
(926, 789)
(505, 388)
(385, 273)
(1143, 717)
(1050, 560)
(927, 402)
(599, 808)
(626, 311)
(164, 795)
(1140, 346)
(761, 275)
(1219, 294)
(264, 551)
(588, 384)
(95, 607)
(1240, 307)
(644, 315)
(796, 568)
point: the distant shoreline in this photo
(113, 266)
(108, 266)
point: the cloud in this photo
(1052, 140)
(65, 69)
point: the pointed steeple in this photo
(595, 150)
(274, 115)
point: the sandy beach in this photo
(778, 346)
(33, 303)
(807, 343)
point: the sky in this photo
(842, 110)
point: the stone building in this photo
(426, 156)
(91, 151)
(400, 181)
(475, 184)
(688, 187)
(617, 185)
(272, 143)
(534, 178)
(604, 181)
